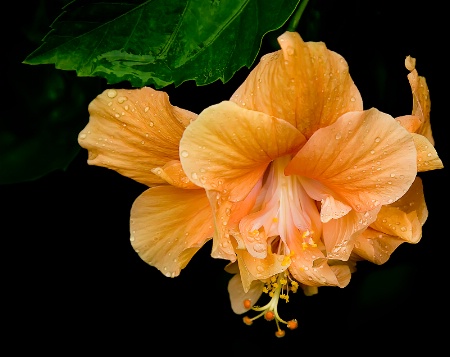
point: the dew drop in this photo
(194, 176)
(82, 136)
(112, 93)
(377, 139)
(121, 99)
(259, 248)
(338, 136)
(184, 153)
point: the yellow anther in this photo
(283, 281)
(254, 233)
(275, 219)
(273, 279)
(294, 283)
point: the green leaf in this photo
(160, 42)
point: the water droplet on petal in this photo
(112, 93)
(184, 153)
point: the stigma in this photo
(277, 287)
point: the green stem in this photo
(297, 15)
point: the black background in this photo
(71, 281)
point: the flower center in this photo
(277, 287)
(282, 214)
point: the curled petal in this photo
(304, 83)
(339, 235)
(169, 225)
(413, 201)
(134, 131)
(427, 157)
(309, 266)
(228, 148)
(252, 268)
(375, 246)
(367, 157)
(173, 174)
(421, 99)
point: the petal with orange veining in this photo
(367, 157)
(169, 225)
(134, 131)
(228, 148)
(303, 83)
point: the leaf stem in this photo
(297, 15)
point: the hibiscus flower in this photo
(285, 177)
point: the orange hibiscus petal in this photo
(304, 83)
(375, 246)
(427, 157)
(413, 201)
(339, 235)
(421, 99)
(134, 131)
(252, 268)
(169, 225)
(173, 174)
(409, 122)
(366, 157)
(309, 266)
(228, 148)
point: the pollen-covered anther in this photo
(308, 240)
(247, 320)
(280, 333)
(247, 304)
